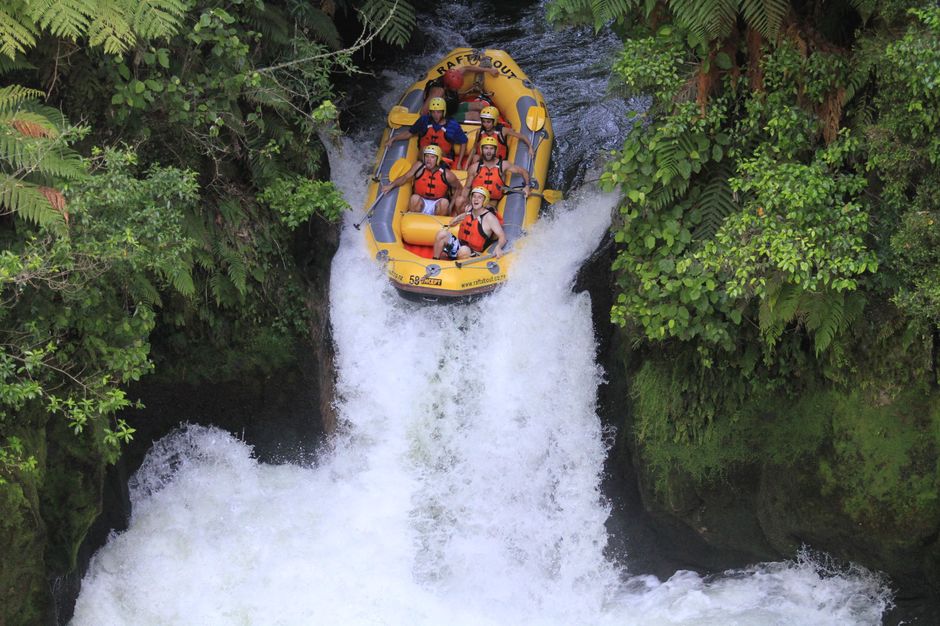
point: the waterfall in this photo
(462, 486)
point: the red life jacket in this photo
(431, 185)
(471, 231)
(436, 136)
(502, 149)
(491, 178)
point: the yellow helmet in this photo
(437, 104)
(489, 140)
(483, 191)
(435, 150)
(489, 113)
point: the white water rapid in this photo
(462, 489)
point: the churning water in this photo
(462, 488)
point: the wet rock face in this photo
(314, 250)
(763, 512)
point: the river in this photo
(464, 483)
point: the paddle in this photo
(535, 118)
(398, 168)
(476, 259)
(400, 116)
(550, 195)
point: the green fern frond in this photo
(238, 274)
(203, 259)
(270, 94)
(779, 307)
(110, 29)
(825, 318)
(16, 35)
(400, 15)
(182, 281)
(271, 22)
(8, 64)
(222, 290)
(606, 11)
(715, 203)
(29, 123)
(318, 25)
(707, 19)
(13, 96)
(27, 201)
(766, 16)
(63, 18)
(830, 314)
(156, 19)
(664, 196)
(144, 291)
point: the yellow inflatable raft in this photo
(402, 240)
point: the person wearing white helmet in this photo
(433, 183)
(480, 226)
(435, 128)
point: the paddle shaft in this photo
(370, 211)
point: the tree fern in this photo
(394, 19)
(11, 64)
(765, 16)
(181, 279)
(606, 11)
(12, 96)
(143, 291)
(110, 29)
(271, 22)
(114, 25)
(318, 25)
(155, 19)
(707, 19)
(829, 314)
(715, 203)
(68, 19)
(28, 201)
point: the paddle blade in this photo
(400, 116)
(398, 168)
(535, 118)
(552, 196)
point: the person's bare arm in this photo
(398, 182)
(512, 133)
(512, 168)
(497, 229)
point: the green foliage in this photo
(778, 240)
(884, 463)
(904, 153)
(393, 19)
(652, 65)
(35, 157)
(113, 25)
(296, 200)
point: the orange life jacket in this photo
(431, 185)
(501, 150)
(436, 136)
(471, 231)
(491, 178)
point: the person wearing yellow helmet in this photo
(490, 126)
(480, 226)
(435, 128)
(491, 171)
(432, 183)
